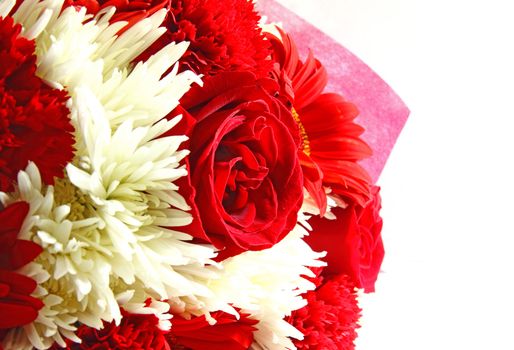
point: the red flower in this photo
(34, 123)
(243, 164)
(135, 332)
(331, 139)
(15, 289)
(329, 321)
(131, 11)
(227, 334)
(353, 242)
(223, 37)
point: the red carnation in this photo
(135, 332)
(329, 321)
(222, 37)
(15, 289)
(34, 123)
(228, 333)
(353, 241)
(244, 165)
(331, 139)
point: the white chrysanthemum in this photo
(57, 317)
(268, 285)
(75, 55)
(102, 225)
(75, 272)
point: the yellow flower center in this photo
(306, 146)
(66, 193)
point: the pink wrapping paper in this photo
(382, 112)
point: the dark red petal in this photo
(18, 315)
(12, 218)
(313, 181)
(19, 284)
(339, 238)
(23, 252)
(309, 82)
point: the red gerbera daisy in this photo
(15, 289)
(34, 123)
(332, 145)
(222, 38)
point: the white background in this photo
(448, 187)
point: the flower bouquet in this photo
(174, 176)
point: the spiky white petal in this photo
(157, 308)
(268, 285)
(310, 208)
(128, 181)
(72, 275)
(35, 16)
(6, 6)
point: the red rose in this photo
(330, 318)
(244, 165)
(353, 241)
(15, 289)
(228, 333)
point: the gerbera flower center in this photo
(67, 194)
(306, 146)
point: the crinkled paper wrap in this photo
(382, 112)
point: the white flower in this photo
(110, 222)
(268, 285)
(72, 274)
